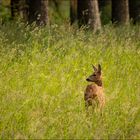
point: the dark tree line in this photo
(134, 7)
(73, 11)
(38, 11)
(86, 12)
(122, 11)
(31, 10)
(19, 7)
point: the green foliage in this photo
(42, 82)
(4, 13)
(106, 14)
(60, 12)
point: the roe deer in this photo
(94, 92)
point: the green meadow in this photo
(42, 82)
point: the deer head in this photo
(96, 76)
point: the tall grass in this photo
(42, 82)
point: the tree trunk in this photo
(134, 6)
(120, 11)
(94, 15)
(88, 14)
(23, 9)
(38, 11)
(73, 11)
(44, 12)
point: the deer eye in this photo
(94, 74)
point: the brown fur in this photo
(94, 92)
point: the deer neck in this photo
(99, 83)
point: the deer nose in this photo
(88, 79)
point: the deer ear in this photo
(99, 68)
(95, 69)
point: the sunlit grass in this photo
(42, 82)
